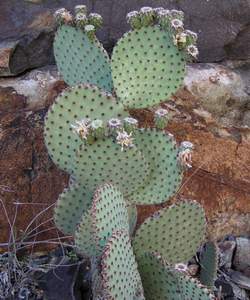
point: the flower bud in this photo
(95, 20)
(130, 124)
(161, 118)
(134, 20)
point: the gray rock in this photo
(34, 88)
(220, 91)
(242, 256)
(226, 253)
(229, 290)
(241, 280)
(65, 280)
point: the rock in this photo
(241, 260)
(34, 88)
(27, 28)
(64, 280)
(220, 92)
(241, 280)
(226, 253)
(228, 290)
(29, 50)
(238, 49)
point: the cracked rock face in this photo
(27, 28)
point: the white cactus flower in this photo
(124, 139)
(193, 51)
(192, 34)
(114, 123)
(161, 112)
(89, 28)
(96, 124)
(181, 267)
(81, 128)
(185, 158)
(163, 12)
(146, 10)
(63, 14)
(132, 14)
(131, 121)
(187, 145)
(177, 24)
(158, 9)
(177, 14)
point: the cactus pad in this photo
(103, 161)
(209, 264)
(121, 279)
(161, 282)
(157, 279)
(81, 60)
(80, 102)
(165, 174)
(71, 204)
(147, 68)
(109, 213)
(175, 232)
(84, 236)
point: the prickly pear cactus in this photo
(114, 164)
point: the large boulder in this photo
(27, 28)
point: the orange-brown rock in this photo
(29, 181)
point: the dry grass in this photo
(16, 270)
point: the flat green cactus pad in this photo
(74, 104)
(103, 161)
(71, 204)
(109, 214)
(165, 174)
(157, 279)
(209, 264)
(175, 232)
(121, 279)
(81, 60)
(147, 68)
(84, 236)
(161, 282)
